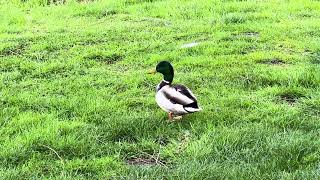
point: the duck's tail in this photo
(193, 107)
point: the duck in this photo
(175, 99)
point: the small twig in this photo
(156, 159)
(54, 152)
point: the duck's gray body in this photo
(176, 99)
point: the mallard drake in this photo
(177, 99)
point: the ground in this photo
(77, 103)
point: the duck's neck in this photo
(168, 77)
(162, 84)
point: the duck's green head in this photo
(166, 69)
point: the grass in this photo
(76, 102)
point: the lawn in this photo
(77, 102)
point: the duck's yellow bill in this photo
(153, 71)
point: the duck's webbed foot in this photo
(173, 118)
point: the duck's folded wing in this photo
(186, 91)
(179, 94)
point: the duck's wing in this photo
(179, 94)
(185, 91)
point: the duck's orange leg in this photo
(170, 114)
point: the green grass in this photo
(76, 102)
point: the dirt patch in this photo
(140, 161)
(132, 2)
(291, 97)
(85, 1)
(273, 61)
(108, 59)
(50, 2)
(14, 50)
(250, 34)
